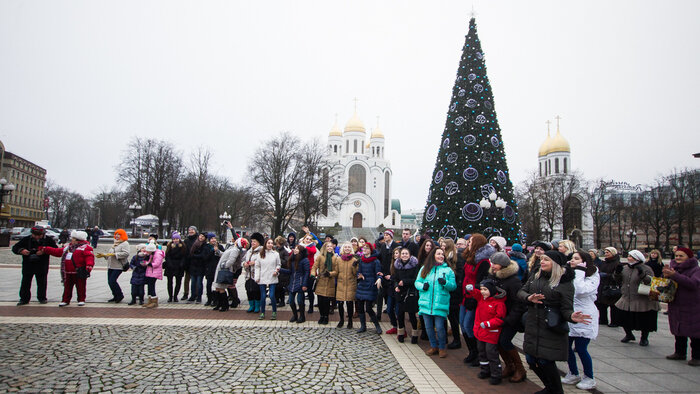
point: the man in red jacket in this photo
(77, 261)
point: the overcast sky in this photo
(78, 79)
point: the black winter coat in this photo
(607, 269)
(386, 258)
(540, 341)
(175, 259)
(212, 262)
(189, 241)
(457, 295)
(406, 272)
(198, 260)
(507, 279)
(283, 276)
(32, 245)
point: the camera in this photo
(33, 257)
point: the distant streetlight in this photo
(133, 208)
(6, 189)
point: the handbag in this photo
(643, 289)
(125, 266)
(82, 272)
(224, 277)
(555, 322)
(611, 291)
(663, 289)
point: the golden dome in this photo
(544, 148)
(335, 131)
(354, 124)
(377, 133)
(559, 144)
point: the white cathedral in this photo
(554, 159)
(363, 177)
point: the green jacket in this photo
(436, 300)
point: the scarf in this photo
(369, 259)
(329, 262)
(347, 257)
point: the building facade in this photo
(554, 160)
(359, 169)
(25, 206)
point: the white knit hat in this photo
(151, 247)
(637, 255)
(79, 235)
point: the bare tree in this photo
(68, 209)
(316, 192)
(599, 208)
(527, 195)
(276, 170)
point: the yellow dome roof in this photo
(377, 133)
(335, 131)
(559, 144)
(544, 148)
(354, 124)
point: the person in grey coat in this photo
(635, 311)
(550, 297)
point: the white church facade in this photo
(360, 171)
(554, 160)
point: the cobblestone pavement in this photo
(98, 358)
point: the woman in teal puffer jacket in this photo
(434, 283)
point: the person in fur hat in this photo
(77, 261)
(490, 312)
(504, 273)
(549, 295)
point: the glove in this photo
(426, 286)
(442, 281)
(356, 263)
(326, 274)
(469, 287)
(482, 325)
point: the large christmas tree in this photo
(471, 191)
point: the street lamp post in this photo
(498, 203)
(6, 189)
(133, 208)
(225, 217)
(633, 235)
(547, 233)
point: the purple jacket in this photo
(684, 311)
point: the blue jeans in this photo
(273, 302)
(112, 276)
(196, 287)
(299, 297)
(432, 324)
(466, 320)
(581, 347)
(392, 308)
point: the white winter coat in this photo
(586, 292)
(266, 269)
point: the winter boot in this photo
(349, 321)
(217, 304)
(251, 306)
(258, 304)
(210, 298)
(146, 305)
(341, 321)
(455, 344)
(402, 334)
(507, 364)
(294, 313)
(473, 352)
(519, 373)
(302, 317)
(133, 302)
(223, 302)
(377, 327)
(363, 323)
(152, 303)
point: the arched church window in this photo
(556, 165)
(347, 146)
(357, 179)
(335, 148)
(355, 146)
(565, 166)
(540, 168)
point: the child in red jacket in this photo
(77, 261)
(490, 312)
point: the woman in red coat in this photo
(77, 261)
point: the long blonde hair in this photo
(569, 245)
(450, 253)
(557, 272)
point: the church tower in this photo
(555, 154)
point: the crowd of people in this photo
(481, 291)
